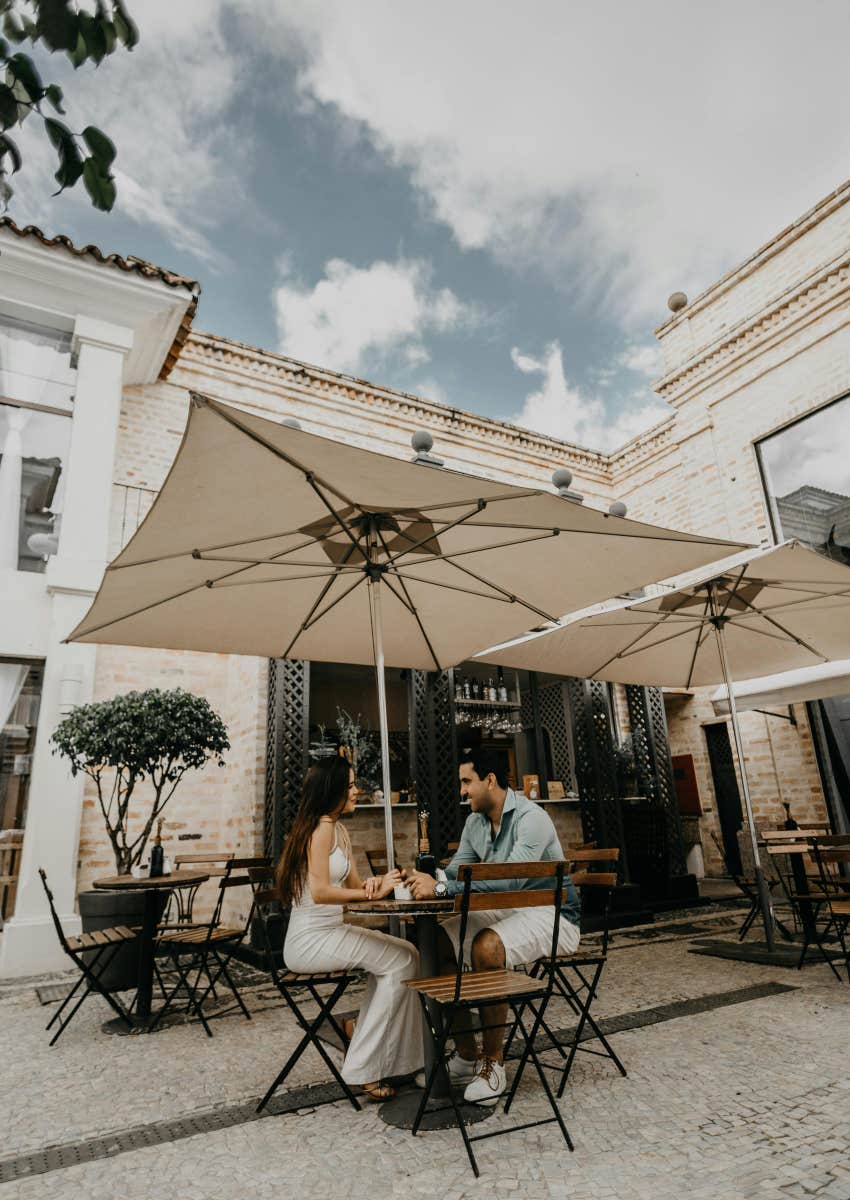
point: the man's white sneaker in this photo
(461, 1070)
(488, 1084)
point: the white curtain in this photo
(11, 466)
(12, 676)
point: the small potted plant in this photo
(153, 738)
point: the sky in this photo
(486, 204)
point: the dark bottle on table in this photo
(425, 860)
(157, 853)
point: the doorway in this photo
(729, 811)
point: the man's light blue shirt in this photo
(526, 834)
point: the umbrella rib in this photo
(452, 555)
(267, 445)
(511, 596)
(315, 620)
(392, 558)
(453, 587)
(269, 562)
(643, 633)
(269, 537)
(787, 632)
(652, 537)
(147, 607)
(651, 646)
(410, 604)
(700, 640)
(280, 579)
(517, 494)
(322, 593)
(354, 541)
(731, 592)
(842, 595)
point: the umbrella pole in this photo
(761, 883)
(378, 638)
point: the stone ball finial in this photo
(617, 509)
(562, 477)
(677, 302)
(422, 442)
(291, 422)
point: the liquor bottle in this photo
(157, 852)
(476, 688)
(503, 691)
(467, 690)
(491, 689)
(425, 860)
(458, 690)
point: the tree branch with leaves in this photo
(155, 735)
(83, 36)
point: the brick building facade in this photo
(765, 346)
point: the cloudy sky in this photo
(483, 203)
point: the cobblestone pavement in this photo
(751, 1099)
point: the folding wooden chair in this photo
(292, 987)
(205, 949)
(745, 881)
(454, 994)
(832, 855)
(91, 954)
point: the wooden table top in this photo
(175, 879)
(409, 908)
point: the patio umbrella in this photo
(770, 611)
(271, 541)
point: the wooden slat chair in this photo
(293, 986)
(451, 995)
(376, 857)
(91, 954)
(777, 843)
(576, 976)
(181, 901)
(204, 950)
(832, 855)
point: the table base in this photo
(118, 1028)
(401, 1112)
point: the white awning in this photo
(789, 687)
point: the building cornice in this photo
(797, 306)
(306, 381)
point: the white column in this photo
(51, 837)
(11, 467)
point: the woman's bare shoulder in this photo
(323, 834)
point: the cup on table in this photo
(402, 893)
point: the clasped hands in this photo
(379, 886)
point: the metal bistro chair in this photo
(801, 888)
(99, 948)
(576, 976)
(181, 901)
(464, 990)
(205, 949)
(292, 987)
(745, 881)
(832, 855)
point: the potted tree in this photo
(136, 748)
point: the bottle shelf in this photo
(487, 704)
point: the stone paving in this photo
(747, 1100)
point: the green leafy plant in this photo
(155, 735)
(58, 26)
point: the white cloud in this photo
(562, 410)
(163, 105)
(626, 150)
(644, 359)
(356, 316)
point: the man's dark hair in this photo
(484, 762)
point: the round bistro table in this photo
(141, 1017)
(401, 1110)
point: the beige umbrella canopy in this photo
(771, 611)
(270, 541)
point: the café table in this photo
(153, 889)
(401, 1110)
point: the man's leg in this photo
(488, 954)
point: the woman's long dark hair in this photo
(324, 794)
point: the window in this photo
(20, 697)
(33, 453)
(806, 473)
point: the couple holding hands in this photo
(317, 876)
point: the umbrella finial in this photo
(422, 443)
(562, 477)
(617, 509)
(291, 422)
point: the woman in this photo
(316, 876)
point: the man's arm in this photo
(533, 834)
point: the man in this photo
(503, 826)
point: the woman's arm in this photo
(318, 872)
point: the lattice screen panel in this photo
(286, 747)
(595, 765)
(654, 767)
(433, 753)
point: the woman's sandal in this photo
(377, 1092)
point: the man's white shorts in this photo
(526, 933)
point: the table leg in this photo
(429, 965)
(141, 1015)
(801, 886)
